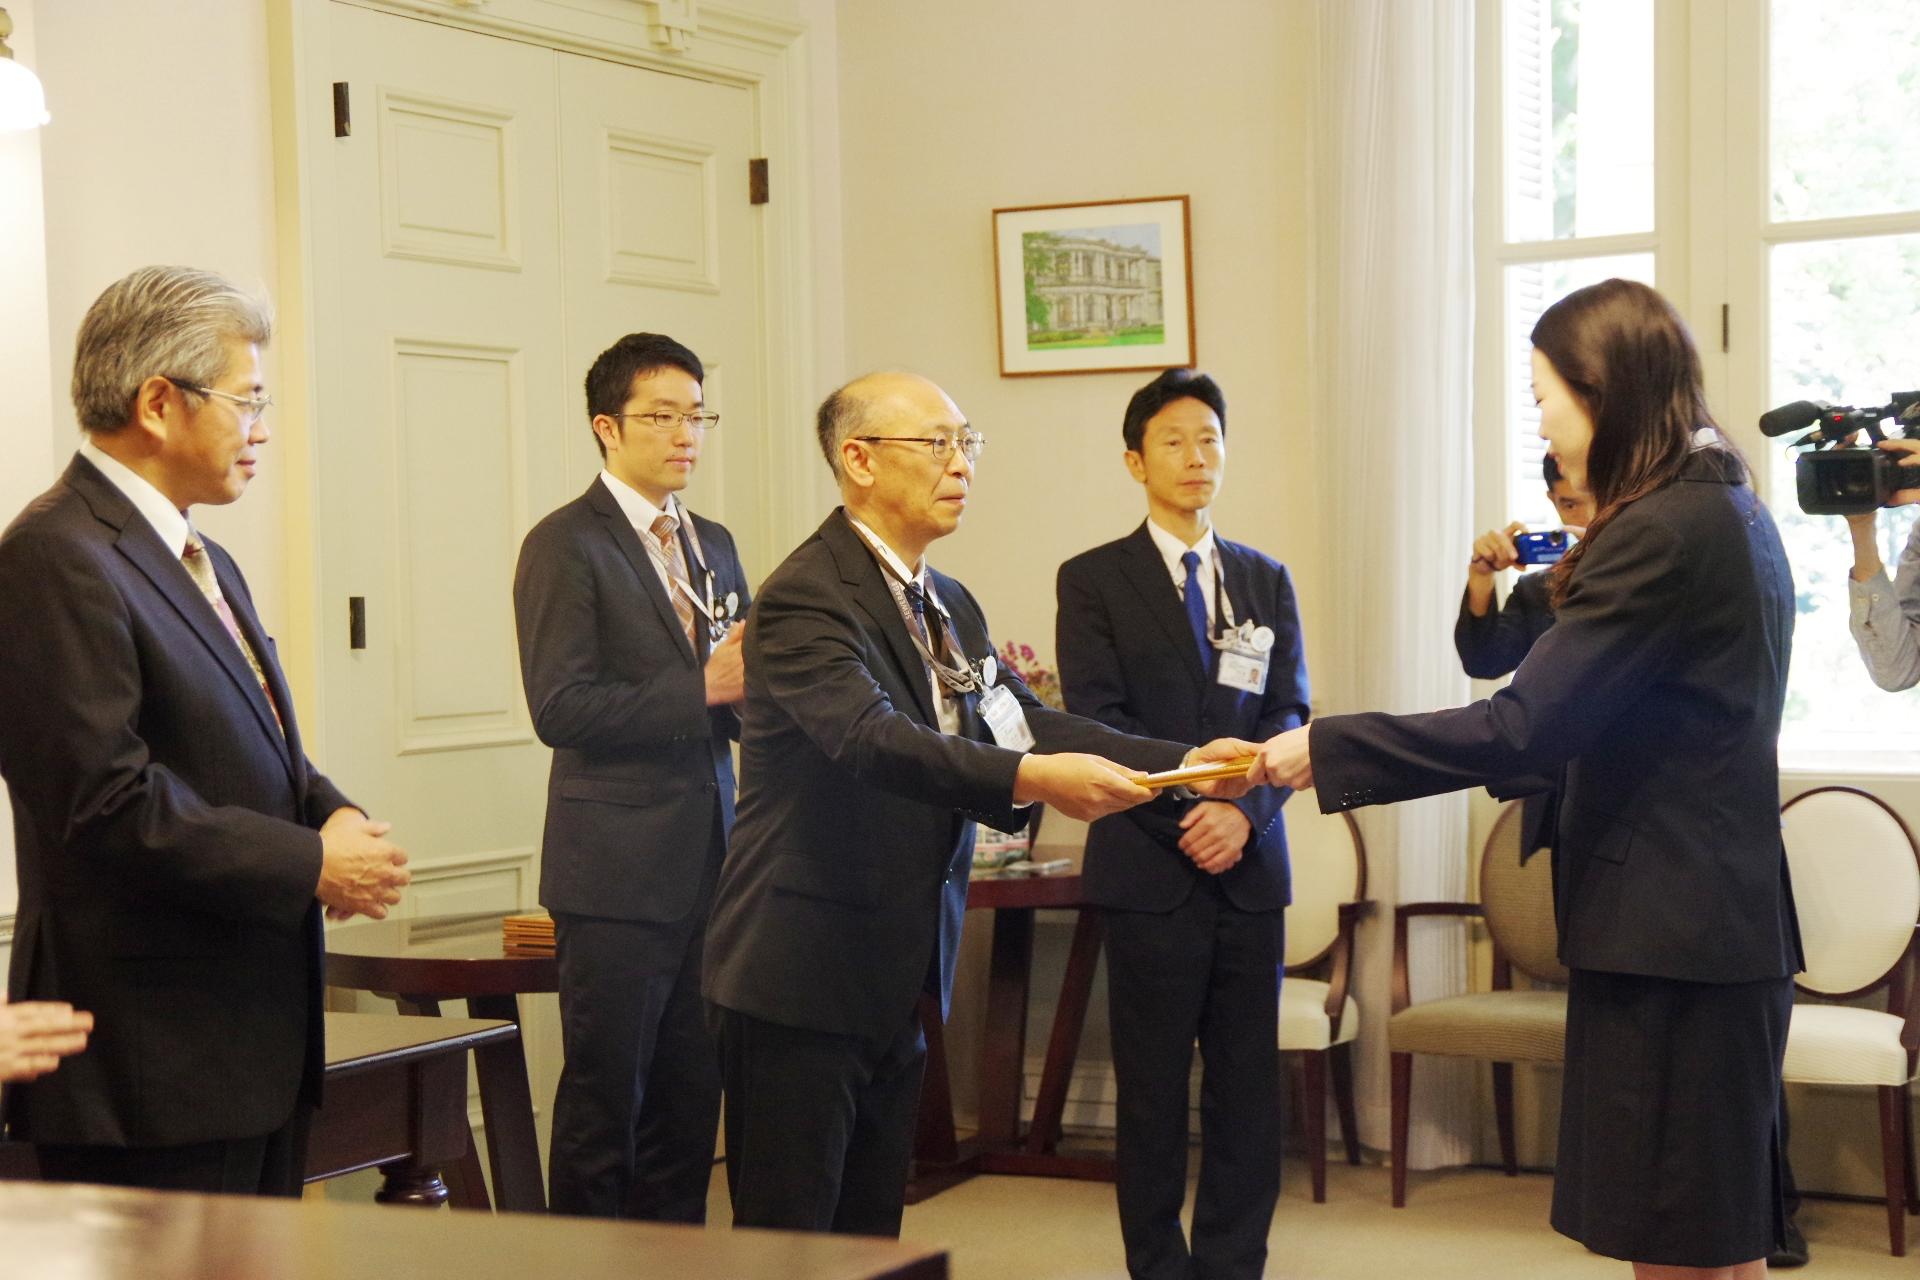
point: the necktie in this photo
(680, 587)
(200, 566)
(1196, 604)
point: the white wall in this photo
(949, 111)
(24, 360)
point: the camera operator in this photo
(1492, 644)
(1885, 616)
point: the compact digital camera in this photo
(1542, 548)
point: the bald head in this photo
(877, 404)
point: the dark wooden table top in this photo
(106, 1233)
(363, 1041)
(443, 956)
(994, 892)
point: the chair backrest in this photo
(1329, 861)
(1856, 886)
(1518, 900)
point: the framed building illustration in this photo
(1094, 287)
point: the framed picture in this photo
(1089, 288)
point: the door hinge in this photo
(356, 622)
(1726, 327)
(757, 181)
(342, 111)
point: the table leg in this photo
(1003, 1051)
(934, 1138)
(506, 1101)
(1069, 1018)
(466, 1185)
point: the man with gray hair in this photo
(175, 845)
(878, 729)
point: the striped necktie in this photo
(200, 566)
(680, 586)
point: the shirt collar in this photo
(1172, 548)
(894, 562)
(639, 511)
(167, 520)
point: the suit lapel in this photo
(860, 571)
(1147, 572)
(283, 732)
(621, 530)
(141, 545)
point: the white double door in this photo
(499, 214)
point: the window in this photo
(1760, 158)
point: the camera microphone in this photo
(1797, 416)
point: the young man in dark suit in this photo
(878, 730)
(175, 844)
(624, 602)
(1176, 633)
(1491, 642)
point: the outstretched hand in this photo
(1222, 751)
(1285, 760)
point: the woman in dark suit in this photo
(1660, 687)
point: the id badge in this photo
(1005, 718)
(1244, 668)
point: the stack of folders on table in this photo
(528, 935)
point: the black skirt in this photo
(1670, 1118)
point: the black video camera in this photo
(1834, 476)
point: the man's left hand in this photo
(1216, 836)
(1221, 751)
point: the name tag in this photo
(1006, 719)
(1244, 668)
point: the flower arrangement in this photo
(1037, 676)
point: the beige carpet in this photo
(1471, 1224)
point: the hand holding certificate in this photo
(1188, 775)
(1217, 770)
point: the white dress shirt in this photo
(167, 520)
(641, 514)
(1172, 548)
(1885, 619)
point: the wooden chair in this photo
(1856, 885)
(1318, 1016)
(1506, 1025)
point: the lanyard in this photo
(959, 678)
(1222, 604)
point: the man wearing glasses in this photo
(175, 845)
(878, 729)
(625, 603)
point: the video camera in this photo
(1834, 476)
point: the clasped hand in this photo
(361, 871)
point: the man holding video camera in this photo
(1885, 616)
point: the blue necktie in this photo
(1197, 609)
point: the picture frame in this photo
(1094, 286)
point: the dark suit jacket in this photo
(1493, 644)
(164, 831)
(843, 890)
(640, 763)
(1661, 684)
(1128, 660)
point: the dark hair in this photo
(610, 381)
(841, 415)
(1174, 384)
(1550, 469)
(1626, 354)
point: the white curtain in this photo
(1395, 305)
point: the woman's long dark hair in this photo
(1625, 353)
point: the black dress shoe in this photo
(1793, 1253)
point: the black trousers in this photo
(638, 1106)
(819, 1126)
(1207, 972)
(273, 1164)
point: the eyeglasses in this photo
(941, 447)
(251, 407)
(670, 419)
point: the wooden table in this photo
(940, 1161)
(396, 1100)
(105, 1233)
(417, 963)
